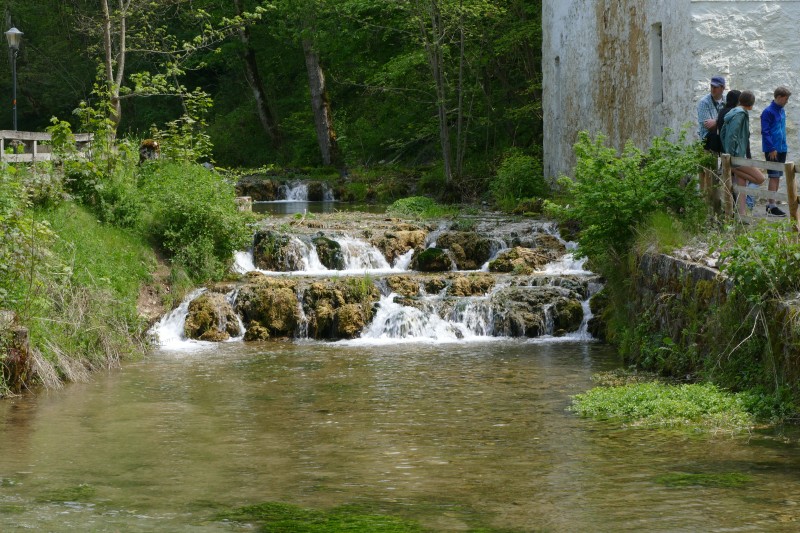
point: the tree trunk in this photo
(323, 121)
(265, 113)
(432, 39)
(113, 80)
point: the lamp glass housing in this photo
(14, 37)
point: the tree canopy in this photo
(453, 83)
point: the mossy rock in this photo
(520, 311)
(435, 285)
(339, 309)
(259, 188)
(567, 316)
(316, 191)
(432, 260)
(273, 251)
(256, 332)
(407, 286)
(271, 303)
(351, 320)
(211, 318)
(519, 260)
(471, 285)
(398, 242)
(468, 249)
(329, 252)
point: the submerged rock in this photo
(211, 318)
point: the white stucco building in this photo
(631, 68)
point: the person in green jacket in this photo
(735, 136)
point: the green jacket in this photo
(735, 133)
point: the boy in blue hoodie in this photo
(773, 141)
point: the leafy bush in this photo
(190, 213)
(763, 262)
(519, 176)
(419, 207)
(23, 241)
(613, 194)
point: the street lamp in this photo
(14, 37)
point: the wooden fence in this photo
(33, 151)
(728, 188)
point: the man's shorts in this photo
(781, 159)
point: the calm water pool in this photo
(454, 436)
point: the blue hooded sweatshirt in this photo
(773, 129)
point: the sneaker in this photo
(775, 211)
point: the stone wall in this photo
(692, 306)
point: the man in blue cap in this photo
(709, 107)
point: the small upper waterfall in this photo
(294, 192)
(300, 191)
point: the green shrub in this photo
(519, 176)
(613, 194)
(420, 207)
(190, 213)
(763, 262)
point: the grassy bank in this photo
(79, 242)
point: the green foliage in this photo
(612, 194)
(519, 176)
(275, 516)
(24, 241)
(191, 214)
(420, 207)
(763, 262)
(701, 406)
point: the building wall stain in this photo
(621, 89)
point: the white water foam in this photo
(167, 333)
(395, 323)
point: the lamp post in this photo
(14, 37)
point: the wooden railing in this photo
(789, 195)
(32, 151)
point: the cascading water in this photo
(168, 332)
(294, 192)
(360, 255)
(439, 316)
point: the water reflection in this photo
(290, 207)
(455, 436)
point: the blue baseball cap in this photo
(718, 81)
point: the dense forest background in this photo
(452, 84)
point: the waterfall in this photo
(168, 332)
(404, 261)
(243, 262)
(360, 255)
(394, 322)
(583, 332)
(296, 191)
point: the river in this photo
(455, 436)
